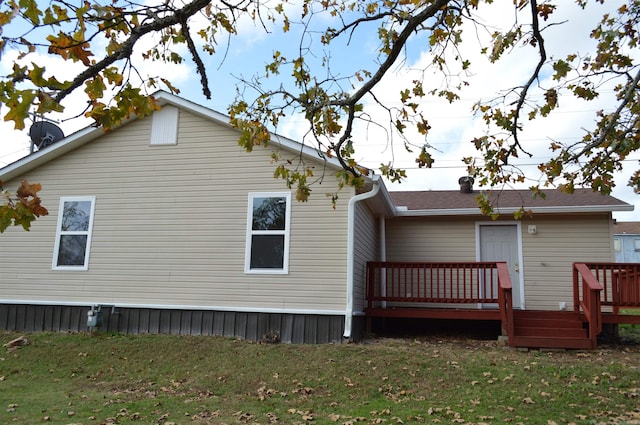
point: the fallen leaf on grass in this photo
(16, 343)
(264, 393)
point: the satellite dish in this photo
(44, 133)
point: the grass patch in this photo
(157, 379)
(630, 333)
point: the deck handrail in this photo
(505, 301)
(429, 284)
(620, 281)
(468, 282)
(590, 302)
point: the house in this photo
(166, 225)
(626, 241)
(539, 248)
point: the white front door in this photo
(500, 242)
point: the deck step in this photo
(543, 314)
(551, 332)
(546, 342)
(544, 329)
(548, 323)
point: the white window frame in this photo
(60, 233)
(617, 244)
(251, 233)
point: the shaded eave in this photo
(381, 204)
(81, 137)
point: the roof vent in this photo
(466, 184)
(44, 133)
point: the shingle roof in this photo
(505, 199)
(626, 227)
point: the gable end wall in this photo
(170, 227)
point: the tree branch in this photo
(350, 103)
(412, 23)
(126, 48)
(537, 35)
(196, 58)
(612, 120)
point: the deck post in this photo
(505, 297)
(591, 305)
(576, 289)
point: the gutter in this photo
(404, 212)
(351, 220)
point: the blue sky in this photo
(453, 126)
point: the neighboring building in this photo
(626, 241)
(166, 225)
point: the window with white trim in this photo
(617, 244)
(268, 224)
(73, 234)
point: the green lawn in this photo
(148, 379)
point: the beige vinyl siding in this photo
(550, 252)
(366, 248)
(170, 227)
(430, 239)
(548, 255)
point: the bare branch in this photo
(537, 35)
(196, 58)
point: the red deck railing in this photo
(457, 283)
(463, 290)
(467, 285)
(586, 298)
(505, 301)
(619, 288)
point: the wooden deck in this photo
(483, 291)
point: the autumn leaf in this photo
(22, 209)
(69, 48)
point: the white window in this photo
(636, 244)
(617, 244)
(73, 235)
(268, 223)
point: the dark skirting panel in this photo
(254, 326)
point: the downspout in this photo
(351, 219)
(382, 230)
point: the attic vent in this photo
(164, 126)
(466, 184)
